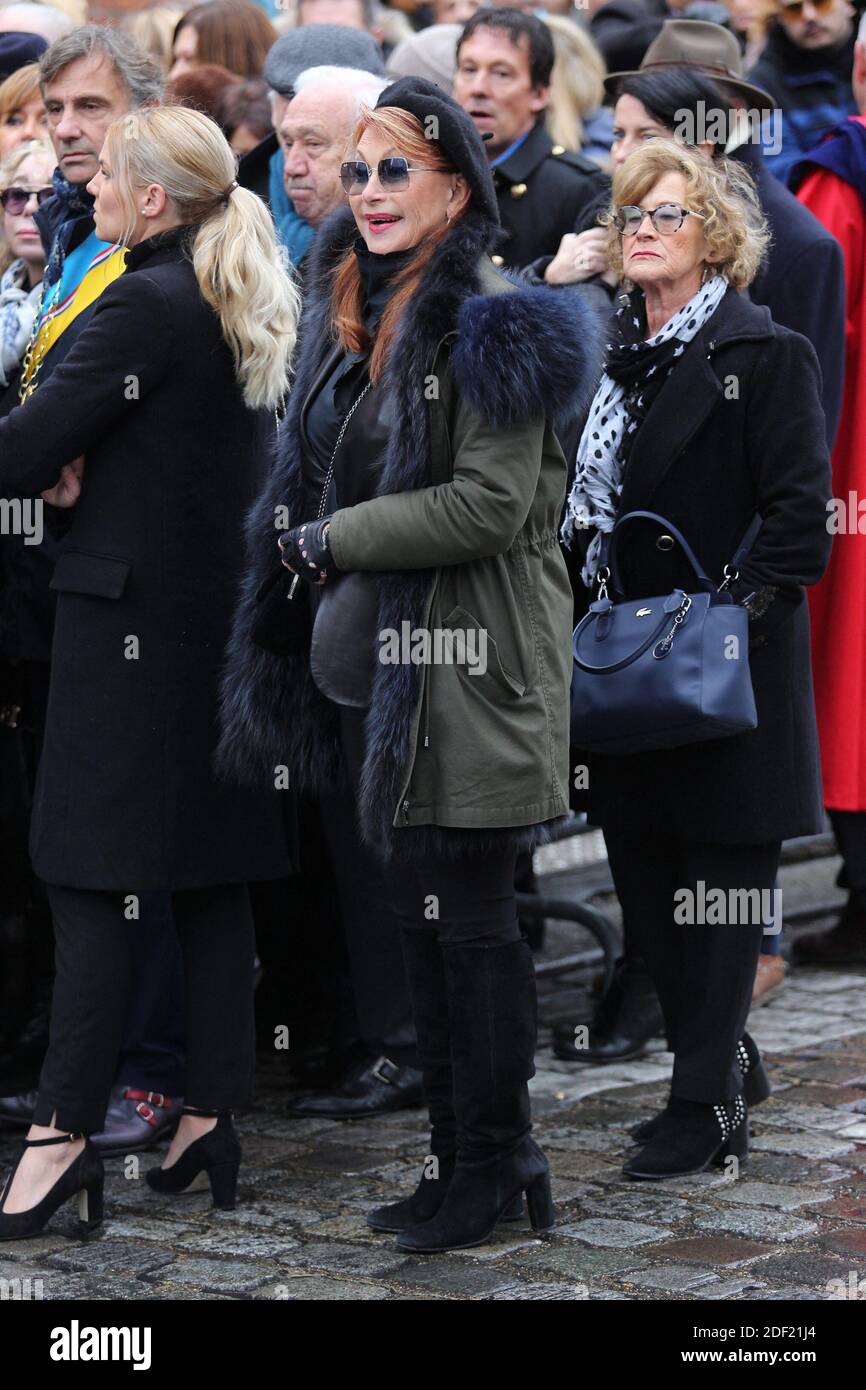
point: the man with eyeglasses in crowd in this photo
(806, 65)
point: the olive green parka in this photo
(466, 741)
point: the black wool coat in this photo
(543, 191)
(146, 581)
(736, 429)
(27, 610)
(802, 280)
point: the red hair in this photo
(406, 133)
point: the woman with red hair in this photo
(418, 489)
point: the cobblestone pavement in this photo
(789, 1225)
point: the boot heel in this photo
(735, 1146)
(223, 1185)
(514, 1210)
(90, 1209)
(542, 1216)
(756, 1087)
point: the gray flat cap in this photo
(431, 53)
(315, 45)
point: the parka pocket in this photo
(461, 620)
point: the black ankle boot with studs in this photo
(756, 1087)
(691, 1138)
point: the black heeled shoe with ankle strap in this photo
(217, 1153)
(83, 1178)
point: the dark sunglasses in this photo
(667, 218)
(393, 174)
(15, 200)
(795, 9)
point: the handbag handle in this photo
(747, 542)
(608, 549)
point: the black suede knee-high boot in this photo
(492, 1009)
(423, 956)
(426, 975)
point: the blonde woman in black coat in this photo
(169, 396)
(708, 414)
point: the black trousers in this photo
(704, 971)
(381, 991)
(470, 902)
(93, 961)
(153, 1045)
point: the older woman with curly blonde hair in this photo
(708, 415)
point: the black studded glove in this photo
(305, 551)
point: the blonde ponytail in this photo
(241, 269)
(244, 275)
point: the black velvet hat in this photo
(18, 49)
(453, 131)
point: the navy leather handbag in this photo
(661, 672)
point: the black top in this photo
(333, 396)
(784, 69)
(343, 647)
(802, 279)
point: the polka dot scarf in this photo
(635, 370)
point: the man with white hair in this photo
(262, 169)
(315, 132)
(35, 19)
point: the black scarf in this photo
(75, 203)
(640, 369)
(377, 276)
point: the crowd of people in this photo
(349, 357)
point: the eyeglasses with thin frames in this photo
(667, 218)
